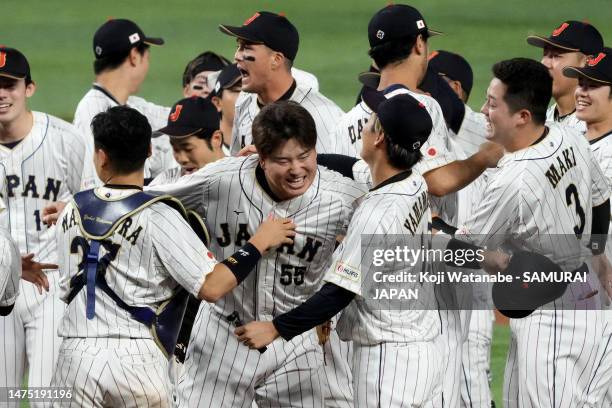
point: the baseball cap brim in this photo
(12, 76)
(178, 131)
(584, 72)
(432, 33)
(372, 98)
(369, 79)
(239, 32)
(153, 41)
(541, 42)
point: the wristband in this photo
(242, 262)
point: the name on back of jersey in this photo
(564, 161)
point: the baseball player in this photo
(41, 161)
(193, 128)
(396, 360)
(478, 327)
(234, 194)
(398, 37)
(10, 270)
(594, 107)
(136, 260)
(226, 90)
(568, 45)
(545, 197)
(457, 72)
(197, 72)
(267, 47)
(121, 64)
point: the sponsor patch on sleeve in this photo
(347, 272)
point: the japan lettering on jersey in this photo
(324, 112)
(48, 165)
(233, 204)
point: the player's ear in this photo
(133, 56)
(524, 117)
(150, 152)
(216, 139)
(420, 46)
(30, 89)
(217, 102)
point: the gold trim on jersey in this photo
(173, 202)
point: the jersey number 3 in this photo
(571, 196)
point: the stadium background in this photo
(56, 36)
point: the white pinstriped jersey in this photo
(233, 204)
(347, 135)
(10, 268)
(47, 165)
(167, 177)
(150, 253)
(602, 150)
(568, 120)
(473, 132)
(305, 78)
(399, 208)
(96, 101)
(542, 190)
(324, 112)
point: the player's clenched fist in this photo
(256, 334)
(272, 233)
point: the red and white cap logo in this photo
(594, 61)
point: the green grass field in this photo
(57, 38)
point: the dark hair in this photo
(528, 86)
(125, 136)
(395, 50)
(113, 61)
(206, 61)
(282, 121)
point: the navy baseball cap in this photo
(453, 66)
(396, 21)
(227, 78)
(270, 29)
(13, 64)
(518, 299)
(404, 119)
(571, 36)
(597, 68)
(118, 36)
(190, 116)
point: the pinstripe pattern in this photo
(145, 272)
(569, 120)
(599, 391)
(553, 351)
(396, 353)
(10, 269)
(336, 372)
(472, 133)
(347, 134)
(48, 165)
(476, 359)
(109, 372)
(234, 204)
(324, 112)
(112, 359)
(95, 101)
